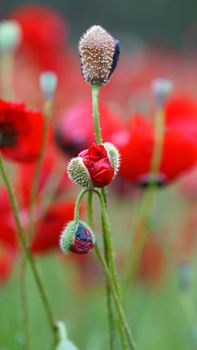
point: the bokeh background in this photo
(157, 37)
(136, 21)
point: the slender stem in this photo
(24, 302)
(131, 342)
(145, 205)
(6, 69)
(47, 112)
(27, 252)
(110, 260)
(98, 136)
(122, 318)
(78, 202)
(95, 111)
(90, 209)
(159, 140)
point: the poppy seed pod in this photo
(99, 53)
(95, 166)
(77, 237)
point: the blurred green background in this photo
(153, 21)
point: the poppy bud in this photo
(113, 155)
(99, 53)
(48, 84)
(10, 35)
(161, 89)
(95, 166)
(77, 237)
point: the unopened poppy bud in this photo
(77, 237)
(10, 35)
(99, 53)
(95, 166)
(78, 173)
(161, 89)
(113, 155)
(48, 84)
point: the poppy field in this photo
(98, 189)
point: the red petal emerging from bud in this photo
(96, 160)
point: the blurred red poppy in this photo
(44, 33)
(179, 149)
(75, 130)
(20, 131)
(49, 230)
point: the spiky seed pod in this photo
(114, 156)
(77, 237)
(78, 173)
(99, 53)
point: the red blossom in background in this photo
(49, 230)
(179, 149)
(20, 131)
(44, 33)
(75, 129)
(97, 162)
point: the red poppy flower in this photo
(75, 131)
(52, 171)
(44, 33)
(20, 131)
(48, 233)
(179, 149)
(97, 162)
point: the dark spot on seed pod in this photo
(115, 57)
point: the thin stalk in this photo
(7, 69)
(109, 299)
(95, 112)
(98, 136)
(120, 310)
(27, 252)
(113, 288)
(24, 303)
(145, 205)
(47, 112)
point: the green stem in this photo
(27, 252)
(120, 310)
(95, 111)
(109, 256)
(24, 303)
(7, 69)
(47, 112)
(145, 205)
(78, 202)
(109, 298)
(110, 279)
(90, 209)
